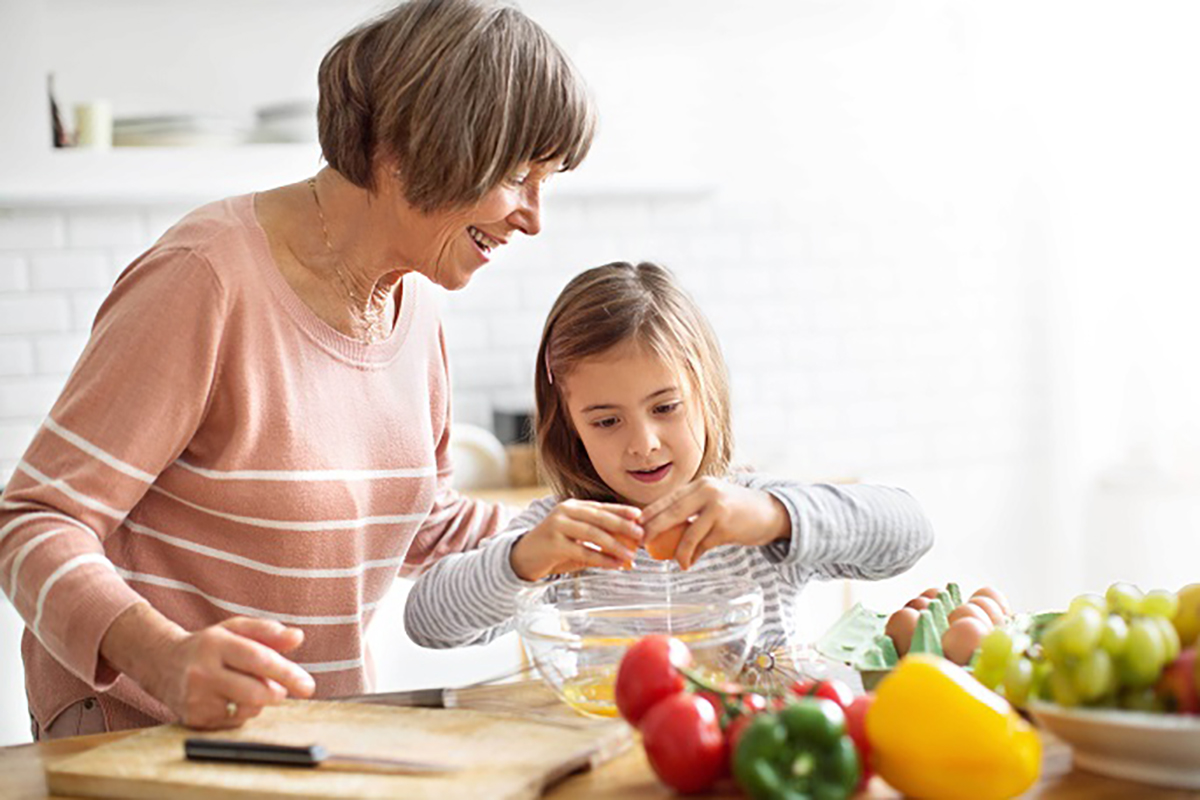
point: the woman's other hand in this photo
(578, 534)
(217, 677)
(716, 512)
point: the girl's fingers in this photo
(608, 523)
(696, 532)
(607, 542)
(580, 551)
(676, 509)
(628, 512)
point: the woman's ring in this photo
(231, 709)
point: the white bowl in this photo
(1160, 749)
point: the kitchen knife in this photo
(439, 697)
(313, 756)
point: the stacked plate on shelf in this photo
(292, 121)
(177, 130)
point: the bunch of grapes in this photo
(1103, 651)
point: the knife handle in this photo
(254, 752)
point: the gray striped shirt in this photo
(856, 531)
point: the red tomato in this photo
(833, 690)
(713, 700)
(856, 726)
(648, 673)
(684, 743)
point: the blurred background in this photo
(946, 245)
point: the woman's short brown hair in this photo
(461, 93)
(598, 310)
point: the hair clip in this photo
(549, 374)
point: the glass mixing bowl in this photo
(575, 629)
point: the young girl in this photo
(633, 432)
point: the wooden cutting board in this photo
(506, 756)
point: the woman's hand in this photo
(575, 535)
(716, 512)
(197, 675)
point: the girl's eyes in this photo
(662, 410)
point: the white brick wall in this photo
(852, 346)
(842, 338)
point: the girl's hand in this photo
(716, 512)
(197, 675)
(575, 535)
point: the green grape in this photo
(1170, 637)
(1081, 631)
(1052, 641)
(1145, 654)
(1018, 680)
(1159, 603)
(1114, 635)
(1094, 676)
(1062, 687)
(1124, 598)
(989, 673)
(1041, 680)
(997, 649)
(1094, 600)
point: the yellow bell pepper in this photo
(937, 733)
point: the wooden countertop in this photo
(628, 776)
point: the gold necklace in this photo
(372, 317)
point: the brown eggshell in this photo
(930, 593)
(900, 627)
(919, 603)
(990, 606)
(996, 595)
(972, 611)
(962, 639)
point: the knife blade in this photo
(437, 697)
(313, 756)
(414, 698)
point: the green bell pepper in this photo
(801, 752)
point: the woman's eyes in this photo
(522, 178)
(667, 408)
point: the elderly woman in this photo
(254, 442)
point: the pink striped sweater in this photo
(219, 450)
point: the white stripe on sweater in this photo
(35, 516)
(238, 608)
(97, 453)
(314, 475)
(260, 566)
(294, 525)
(25, 550)
(77, 561)
(70, 491)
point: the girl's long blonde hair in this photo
(598, 310)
